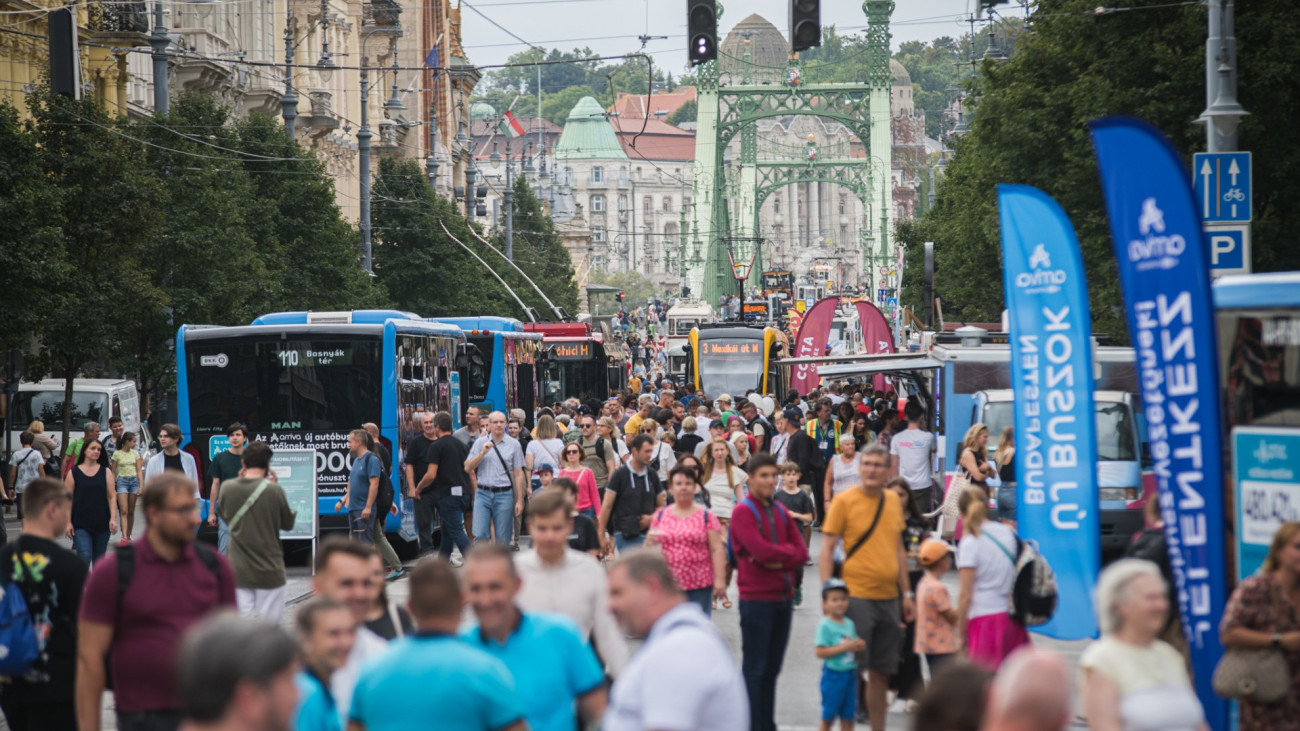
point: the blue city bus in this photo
(500, 370)
(1258, 326)
(305, 379)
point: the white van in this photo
(93, 399)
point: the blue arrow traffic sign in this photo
(1222, 182)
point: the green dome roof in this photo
(481, 110)
(588, 135)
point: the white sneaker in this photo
(455, 562)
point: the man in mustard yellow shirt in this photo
(644, 406)
(868, 520)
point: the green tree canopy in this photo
(685, 113)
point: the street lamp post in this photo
(509, 196)
(431, 163)
(289, 102)
(159, 40)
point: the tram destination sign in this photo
(571, 351)
(725, 349)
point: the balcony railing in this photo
(381, 13)
(119, 17)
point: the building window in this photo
(598, 175)
(776, 204)
(686, 201)
(648, 205)
(598, 262)
(843, 205)
(598, 204)
(622, 202)
(597, 234)
(668, 204)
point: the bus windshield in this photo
(580, 379)
(683, 326)
(318, 384)
(1115, 441)
(48, 407)
(730, 365)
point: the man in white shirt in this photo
(911, 454)
(680, 642)
(343, 574)
(560, 579)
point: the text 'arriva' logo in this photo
(1042, 278)
(1155, 250)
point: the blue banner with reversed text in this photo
(1051, 372)
(1164, 272)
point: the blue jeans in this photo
(494, 509)
(361, 530)
(451, 511)
(223, 536)
(702, 597)
(627, 544)
(764, 634)
(90, 545)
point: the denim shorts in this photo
(128, 485)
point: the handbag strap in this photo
(1004, 550)
(880, 508)
(239, 515)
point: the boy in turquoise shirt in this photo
(837, 641)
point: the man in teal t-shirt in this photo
(553, 666)
(433, 678)
(837, 640)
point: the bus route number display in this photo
(721, 349)
(571, 351)
(324, 356)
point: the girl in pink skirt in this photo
(986, 559)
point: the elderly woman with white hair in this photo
(1132, 680)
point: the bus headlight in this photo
(1127, 494)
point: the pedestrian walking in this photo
(803, 451)
(691, 539)
(1261, 614)
(572, 457)
(843, 473)
(383, 617)
(72, 455)
(912, 454)
(1004, 458)
(1132, 679)
(936, 617)
(717, 432)
(837, 644)
(907, 683)
(974, 461)
(443, 484)
(433, 674)
(235, 674)
(112, 440)
(25, 465)
(326, 633)
(986, 559)
(825, 432)
(94, 504)
(768, 547)
(127, 464)
(415, 465)
(50, 579)
(385, 502)
(343, 573)
(363, 488)
(868, 521)
(140, 601)
(474, 427)
(689, 439)
(799, 504)
(583, 536)
(43, 442)
(171, 457)
(599, 455)
(227, 465)
(497, 461)
(680, 643)
(256, 510)
(723, 479)
(545, 448)
(560, 578)
(552, 665)
(633, 495)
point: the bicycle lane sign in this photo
(1223, 186)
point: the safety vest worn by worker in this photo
(811, 430)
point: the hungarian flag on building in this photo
(510, 127)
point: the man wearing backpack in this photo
(49, 578)
(256, 510)
(767, 546)
(868, 519)
(138, 603)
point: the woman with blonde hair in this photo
(544, 447)
(973, 460)
(44, 443)
(986, 561)
(1131, 679)
(724, 482)
(842, 472)
(662, 458)
(741, 441)
(1261, 614)
(608, 428)
(1005, 459)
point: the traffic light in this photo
(805, 24)
(702, 29)
(621, 297)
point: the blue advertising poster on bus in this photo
(1164, 274)
(1266, 466)
(1051, 368)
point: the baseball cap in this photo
(544, 467)
(932, 551)
(793, 414)
(834, 585)
(724, 399)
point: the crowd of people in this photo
(646, 515)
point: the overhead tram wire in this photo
(529, 312)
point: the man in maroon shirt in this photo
(768, 548)
(173, 585)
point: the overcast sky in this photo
(611, 27)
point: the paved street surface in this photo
(798, 704)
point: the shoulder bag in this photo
(248, 504)
(838, 569)
(1259, 675)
